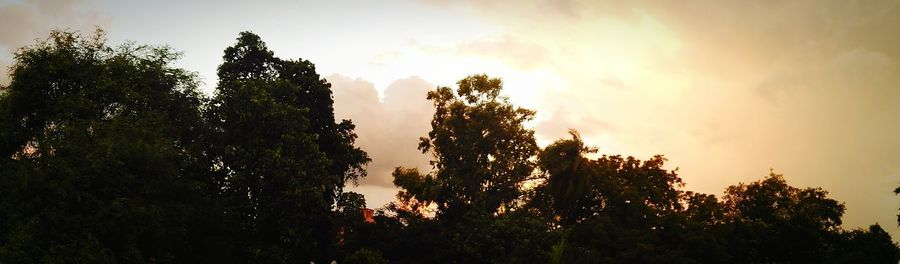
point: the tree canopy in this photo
(112, 155)
(480, 147)
(102, 156)
(283, 161)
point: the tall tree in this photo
(283, 158)
(100, 159)
(480, 147)
(482, 155)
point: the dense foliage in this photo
(111, 155)
(103, 156)
(282, 161)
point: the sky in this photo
(726, 90)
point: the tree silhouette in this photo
(571, 176)
(101, 159)
(480, 147)
(111, 155)
(632, 213)
(283, 159)
(482, 155)
(871, 245)
(896, 192)
(780, 223)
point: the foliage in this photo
(111, 155)
(782, 223)
(102, 157)
(571, 178)
(896, 192)
(482, 156)
(481, 151)
(872, 245)
(365, 256)
(283, 159)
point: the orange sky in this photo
(725, 89)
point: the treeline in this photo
(112, 155)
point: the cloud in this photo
(507, 48)
(26, 21)
(388, 129)
(726, 90)
(556, 127)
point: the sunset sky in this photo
(727, 90)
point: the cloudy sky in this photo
(725, 89)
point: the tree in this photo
(773, 221)
(350, 206)
(872, 245)
(481, 151)
(639, 191)
(896, 192)
(250, 59)
(634, 192)
(111, 155)
(632, 212)
(283, 159)
(482, 155)
(100, 157)
(571, 178)
(350, 220)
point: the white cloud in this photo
(388, 128)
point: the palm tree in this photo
(570, 174)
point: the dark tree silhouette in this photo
(482, 155)
(101, 157)
(571, 176)
(633, 212)
(283, 159)
(896, 192)
(481, 151)
(111, 155)
(779, 223)
(872, 245)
